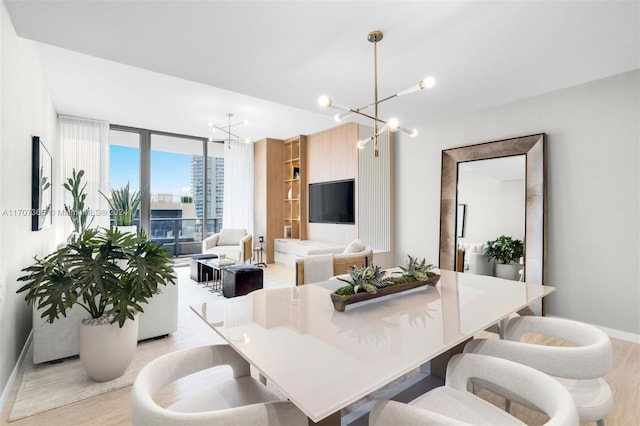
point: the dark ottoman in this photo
(240, 280)
(199, 271)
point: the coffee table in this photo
(212, 269)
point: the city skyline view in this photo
(124, 166)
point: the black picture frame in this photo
(461, 220)
(41, 186)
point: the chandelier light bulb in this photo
(211, 124)
(210, 139)
(393, 124)
(247, 140)
(428, 82)
(325, 101)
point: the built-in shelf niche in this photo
(294, 188)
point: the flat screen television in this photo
(332, 202)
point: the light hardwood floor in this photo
(113, 408)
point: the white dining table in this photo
(323, 360)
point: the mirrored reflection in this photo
(491, 203)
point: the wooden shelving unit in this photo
(294, 206)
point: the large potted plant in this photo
(507, 251)
(110, 274)
(124, 204)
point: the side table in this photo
(257, 254)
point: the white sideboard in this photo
(287, 250)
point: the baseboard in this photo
(7, 388)
(616, 334)
(619, 334)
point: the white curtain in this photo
(238, 185)
(84, 145)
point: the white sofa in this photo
(475, 261)
(60, 339)
(233, 243)
(324, 263)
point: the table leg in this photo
(439, 363)
(218, 280)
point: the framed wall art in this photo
(41, 189)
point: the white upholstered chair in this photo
(234, 243)
(237, 401)
(579, 368)
(453, 404)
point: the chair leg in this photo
(507, 405)
(601, 422)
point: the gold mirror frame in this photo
(533, 148)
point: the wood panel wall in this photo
(268, 194)
(332, 154)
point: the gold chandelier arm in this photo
(379, 120)
(373, 103)
(226, 130)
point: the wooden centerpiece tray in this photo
(340, 302)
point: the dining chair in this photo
(454, 404)
(580, 368)
(236, 400)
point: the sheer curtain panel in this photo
(238, 186)
(84, 145)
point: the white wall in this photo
(493, 207)
(593, 191)
(26, 110)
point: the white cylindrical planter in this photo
(106, 350)
(506, 271)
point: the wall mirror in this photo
(528, 151)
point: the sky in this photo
(170, 172)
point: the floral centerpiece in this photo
(368, 282)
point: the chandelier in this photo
(227, 130)
(392, 124)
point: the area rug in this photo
(48, 386)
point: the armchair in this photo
(579, 367)
(454, 404)
(234, 243)
(235, 398)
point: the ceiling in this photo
(176, 65)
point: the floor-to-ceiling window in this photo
(124, 160)
(215, 154)
(183, 197)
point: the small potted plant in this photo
(110, 274)
(369, 282)
(415, 270)
(506, 251)
(124, 204)
(363, 279)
